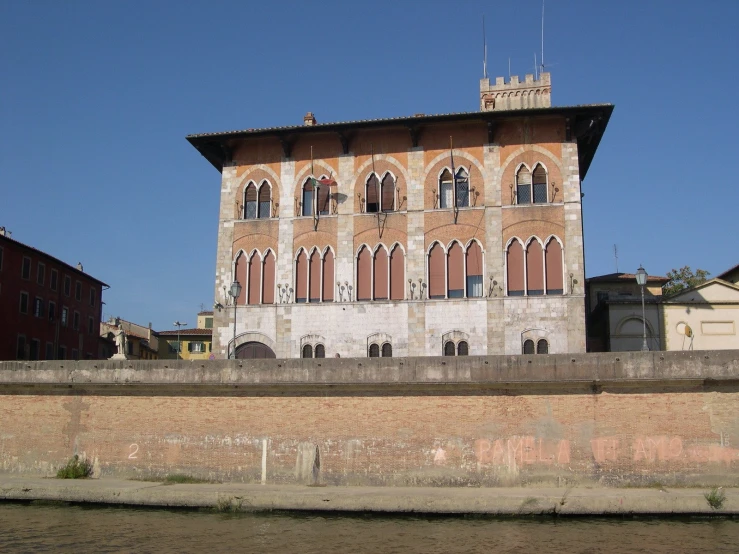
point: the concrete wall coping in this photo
(634, 369)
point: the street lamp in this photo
(641, 280)
(235, 292)
(178, 325)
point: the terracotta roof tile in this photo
(620, 277)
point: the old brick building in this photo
(49, 310)
(415, 236)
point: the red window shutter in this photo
(436, 272)
(315, 277)
(241, 268)
(381, 292)
(554, 267)
(268, 280)
(397, 274)
(515, 268)
(474, 260)
(388, 193)
(255, 278)
(456, 268)
(535, 268)
(328, 276)
(301, 277)
(364, 274)
(323, 196)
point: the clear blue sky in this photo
(96, 99)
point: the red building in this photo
(49, 310)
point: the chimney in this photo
(309, 119)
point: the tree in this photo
(683, 279)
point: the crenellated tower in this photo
(516, 95)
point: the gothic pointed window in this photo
(301, 277)
(323, 198)
(268, 279)
(250, 201)
(463, 188)
(474, 270)
(380, 275)
(455, 271)
(437, 271)
(553, 258)
(314, 277)
(514, 267)
(364, 274)
(523, 186)
(387, 198)
(255, 284)
(534, 269)
(446, 189)
(240, 271)
(372, 195)
(307, 198)
(328, 275)
(397, 274)
(265, 200)
(540, 184)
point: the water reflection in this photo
(43, 528)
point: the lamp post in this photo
(235, 292)
(178, 325)
(641, 280)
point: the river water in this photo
(79, 529)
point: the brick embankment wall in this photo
(613, 419)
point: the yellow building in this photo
(194, 343)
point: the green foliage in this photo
(75, 469)
(683, 279)
(179, 478)
(715, 498)
(229, 505)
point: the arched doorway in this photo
(253, 350)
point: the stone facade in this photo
(490, 146)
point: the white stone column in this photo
(494, 254)
(344, 261)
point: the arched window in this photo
(514, 266)
(449, 348)
(542, 347)
(523, 185)
(380, 273)
(534, 269)
(462, 348)
(463, 188)
(265, 200)
(387, 198)
(328, 275)
(250, 201)
(397, 274)
(241, 272)
(255, 280)
(320, 351)
(374, 351)
(540, 184)
(474, 270)
(364, 274)
(308, 197)
(455, 272)
(268, 279)
(554, 267)
(446, 189)
(387, 350)
(301, 277)
(371, 194)
(323, 198)
(437, 271)
(314, 277)
(307, 351)
(528, 346)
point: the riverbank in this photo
(257, 498)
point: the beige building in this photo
(141, 342)
(194, 343)
(425, 235)
(615, 321)
(703, 318)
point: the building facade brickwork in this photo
(416, 253)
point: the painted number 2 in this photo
(134, 448)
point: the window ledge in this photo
(542, 205)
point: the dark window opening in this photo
(542, 347)
(540, 185)
(463, 189)
(320, 351)
(449, 348)
(528, 346)
(21, 350)
(308, 198)
(265, 193)
(307, 351)
(26, 269)
(371, 195)
(250, 202)
(523, 186)
(387, 350)
(374, 351)
(462, 348)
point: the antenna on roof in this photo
(536, 68)
(542, 36)
(484, 51)
(615, 256)
(509, 68)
